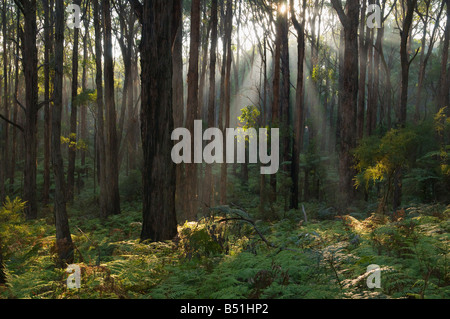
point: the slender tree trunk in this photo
(100, 136)
(16, 106)
(192, 110)
(29, 63)
(5, 137)
(112, 165)
(47, 125)
(178, 100)
(299, 104)
(227, 95)
(376, 76)
(209, 184)
(405, 63)
(371, 113)
(404, 60)
(72, 151)
(444, 85)
(425, 54)
(276, 91)
(83, 108)
(362, 73)
(286, 87)
(63, 238)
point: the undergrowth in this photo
(234, 254)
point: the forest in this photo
(224, 149)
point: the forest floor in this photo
(233, 254)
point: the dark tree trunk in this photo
(349, 21)
(178, 97)
(73, 116)
(159, 217)
(227, 110)
(16, 106)
(83, 108)
(276, 91)
(286, 87)
(112, 165)
(63, 238)
(405, 63)
(5, 132)
(444, 85)
(192, 110)
(362, 74)
(100, 133)
(209, 184)
(370, 106)
(404, 60)
(47, 125)
(29, 62)
(299, 105)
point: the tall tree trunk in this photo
(276, 90)
(370, 106)
(192, 110)
(63, 238)
(47, 125)
(378, 51)
(362, 73)
(424, 57)
(443, 81)
(349, 21)
(405, 63)
(178, 98)
(16, 105)
(5, 137)
(286, 87)
(159, 217)
(227, 95)
(29, 63)
(299, 104)
(100, 128)
(112, 165)
(73, 116)
(83, 108)
(209, 184)
(404, 59)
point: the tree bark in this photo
(111, 149)
(209, 187)
(404, 59)
(362, 73)
(349, 21)
(29, 63)
(73, 117)
(276, 91)
(444, 85)
(100, 127)
(159, 217)
(5, 132)
(178, 97)
(192, 110)
(286, 87)
(64, 243)
(47, 125)
(299, 104)
(405, 63)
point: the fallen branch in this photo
(254, 226)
